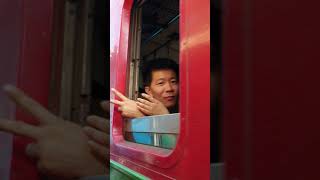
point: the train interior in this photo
(80, 69)
(154, 34)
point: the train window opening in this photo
(154, 35)
(80, 73)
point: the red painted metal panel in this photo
(195, 88)
(10, 35)
(286, 99)
(30, 23)
(233, 90)
(190, 159)
(271, 96)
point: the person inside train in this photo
(62, 149)
(161, 84)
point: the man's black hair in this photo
(158, 64)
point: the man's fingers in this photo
(150, 98)
(143, 106)
(119, 103)
(97, 136)
(98, 123)
(117, 93)
(148, 103)
(143, 110)
(120, 109)
(28, 104)
(99, 150)
(33, 151)
(19, 128)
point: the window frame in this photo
(163, 158)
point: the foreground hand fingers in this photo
(97, 136)
(20, 128)
(98, 123)
(99, 150)
(28, 104)
(105, 105)
(117, 93)
(33, 151)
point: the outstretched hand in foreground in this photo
(61, 147)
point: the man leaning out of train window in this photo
(161, 86)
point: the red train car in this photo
(270, 98)
(131, 43)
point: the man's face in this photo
(164, 87)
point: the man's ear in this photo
(147, 90)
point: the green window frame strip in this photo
(127, 171)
